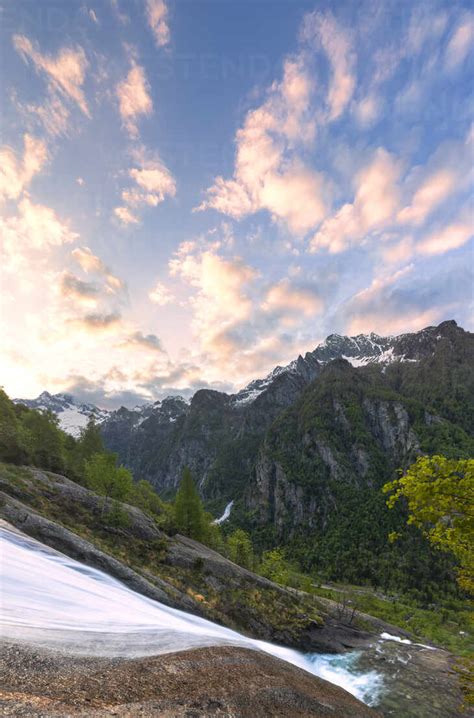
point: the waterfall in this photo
(51, 600)
(225, 515)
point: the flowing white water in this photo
(51, 600)
(225, 515)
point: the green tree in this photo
(90, 440)
(188, 507)
(240, 548)
(89, 443)
(11, 446)
(145, 497)
(107, 479)
(440, 497)
(275, 566)
(43, 439)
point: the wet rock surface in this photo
(232, 682)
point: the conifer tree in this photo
(189, 509)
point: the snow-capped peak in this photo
(73, 416)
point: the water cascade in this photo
(51, 600)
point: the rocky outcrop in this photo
(205, 682)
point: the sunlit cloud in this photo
(160, 295)
(97, 322)
(74, 288)
(153, 183)
(134, 98)
(125, 215)
(323, 30)
(428, 196)
(16, 172)
(460, 43)
(263, 177)
(451, 237)
(65, 72)
(91, 263)
(149, 342)
(288, 299)
(33, 230)
(157, 17)
(375, 203)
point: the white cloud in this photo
(16, 174)
(460, 43)
(160, 295)
(433, 190)
(289, 299)
(125, 215)
(65, 72)
(29, 235)
(157, 16)
(325, 31)
(134, 98)
(92, 264)
(153, 183)
(451, 237)
(374, 206)
(268, 173)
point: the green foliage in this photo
(12, 448)
(117, 516)
(145, 497)
(89, 443)
(240, 549)
(440, 497)
(107, 479)
(43, 439)
(189, 511)
(275, 566)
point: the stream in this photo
(51, 600)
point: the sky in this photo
(194, 191)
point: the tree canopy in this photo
(440, 497)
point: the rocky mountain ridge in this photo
(275, 392)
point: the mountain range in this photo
(360, 350)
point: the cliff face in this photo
(342, 433)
